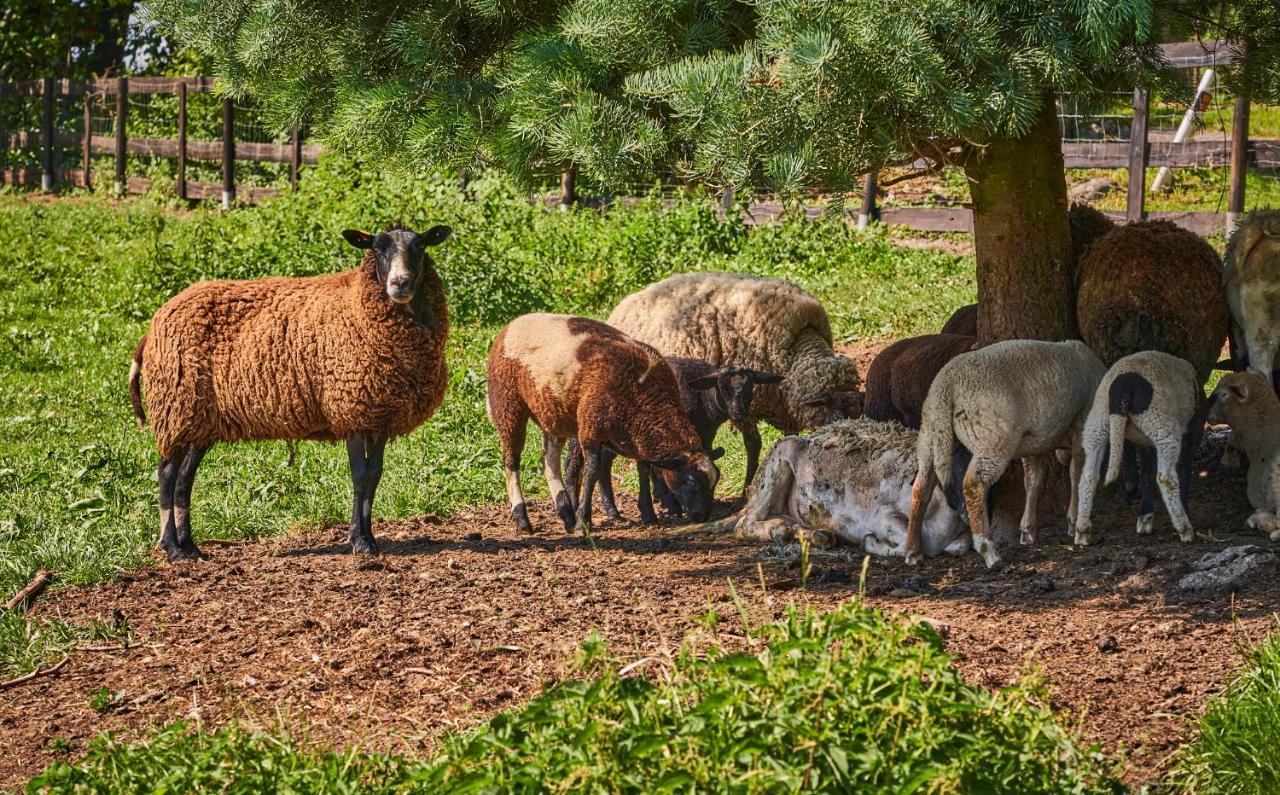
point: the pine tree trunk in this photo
(1026, 280)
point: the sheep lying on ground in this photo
(578, 378)
(1153, 286)
(769, 325)
(1154, 400)
(357, 355)
(898, 379)
(847, 482)
(1251, 281)
(1013, 399)
(709, 397)
(1247, 403)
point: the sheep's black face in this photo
(400, 256)
(692, 479)
(734, 388)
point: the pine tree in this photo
(781, 94)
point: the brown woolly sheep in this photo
(1152, 286)
(962, 321)
(898, 379)
(357, 355)
(579, 378)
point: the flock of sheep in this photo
(359, 356)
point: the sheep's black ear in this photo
(357, 238)
(716, 453)
(705, 382)
(668, 463)
(765, 378)
(436, 235)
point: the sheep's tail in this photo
(1115, 430)
(135, 382)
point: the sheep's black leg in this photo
(184, 479)
(1130, 474)
(166, 474)
(375, 446)
(361, 481)
(591, 463)
(669, 502)
(606, 486)
(573, 470)
(647, 516)
(751, 439)
(1146, 457)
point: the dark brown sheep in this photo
(1153, 286)
(579, 378)
(962, 321)
(899, 378)
(357, 355)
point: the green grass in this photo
(1237, 746)
(81, 277)
(850, 701)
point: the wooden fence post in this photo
(4, 134)
(1239, 162)
(1135, 206)
(228, 154)
(182, 140)
(868, 213)
(46, 135)
(295, 157)
(87, 155)
(727, 200)
(568, 193)
(122, 142)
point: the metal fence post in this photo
(228, 154)
(122, 141)
(46, 135)
(1135, 206)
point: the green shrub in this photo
(1237, 746)
(850, 701)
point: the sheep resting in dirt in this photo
(898, 379)
(1247, 402)
(710, 397)
(579, 378)
(768, 325)
(1153, 400)
(847, 482)
(1251, 281)
(357, 355)
(1012, 399)
(1153, 286)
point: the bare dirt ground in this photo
(462, 618)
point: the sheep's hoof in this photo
(1186, 535)
(177, 552)
(1027, 537)
(520, 515)
(361, 545)
(190, 550)
(914, 559)
(1083, 536)
(983, 546)
(1146, 524)
(564, 509)
(1264, 521)
(615, 515)
(1275, 536)
(648, 518)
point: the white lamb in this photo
(1013, 399)
(847, 482)
(769, 325)
(1153, 399)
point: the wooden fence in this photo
(225, 150)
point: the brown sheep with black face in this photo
(357, 355)
(579, 378)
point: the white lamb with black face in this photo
(848, 482)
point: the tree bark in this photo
(1026, 279)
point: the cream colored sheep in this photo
(1246, 402)
(766, 324)
(1013, 399)
(1152, 399)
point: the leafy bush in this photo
(1237, 746)
(850, 701)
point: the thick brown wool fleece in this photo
(899, 379)
(1153, 286)
(576, 377)
(294, 358)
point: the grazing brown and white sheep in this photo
(1251, 281)
(579, 378)
(1012, 399)
(710, 398)
(1247, 402)
(1153, 400)
(1153, 286)
(898, 379)
(770, 325)
(357, 355)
